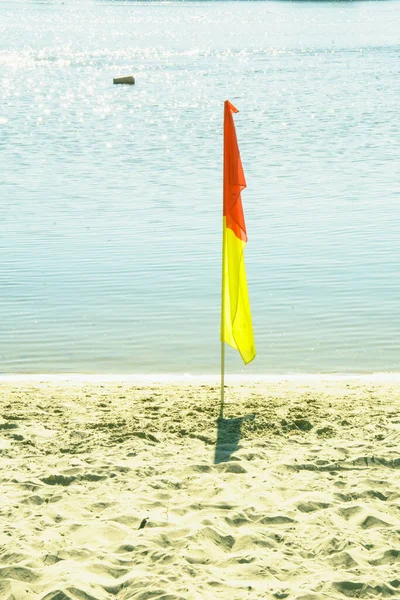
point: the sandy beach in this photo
(125, 489)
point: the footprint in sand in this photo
(18, 574)
(359, 516)
(388, 557)
(307, 507)
(58, 480)
(357, 589)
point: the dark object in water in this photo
(143, 524)
(129, 79)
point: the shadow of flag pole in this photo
(236, 321)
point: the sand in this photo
(114, 489)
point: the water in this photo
(110, 213)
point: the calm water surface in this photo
(110, 196)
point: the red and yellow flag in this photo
(236, 323)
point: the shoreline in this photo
(182, 378)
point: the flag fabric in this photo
(236, 322)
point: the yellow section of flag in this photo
(236, 322)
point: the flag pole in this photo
(221, 408)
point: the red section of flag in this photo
(234, 180)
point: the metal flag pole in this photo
(221, 408)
